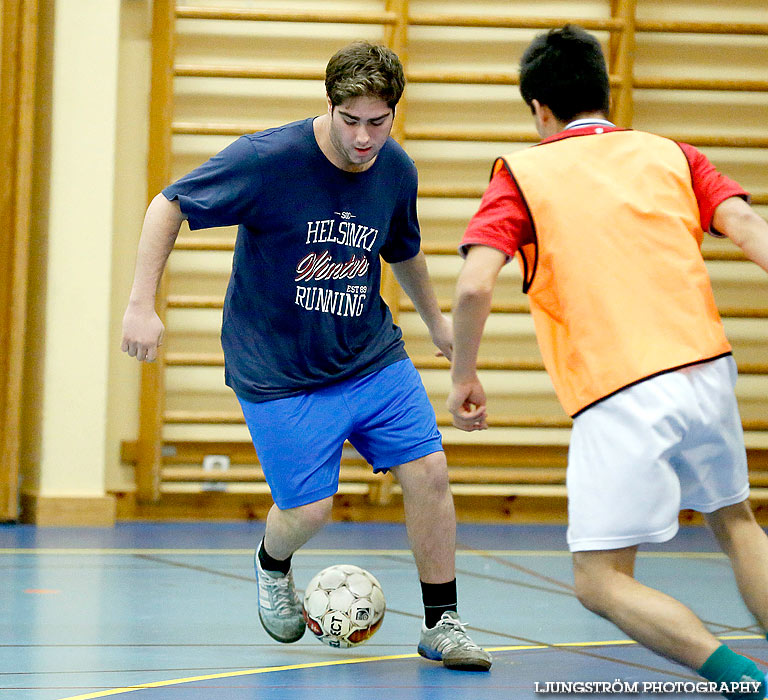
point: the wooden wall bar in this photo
(18, 46)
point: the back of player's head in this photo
(565, 70)
(363, 69)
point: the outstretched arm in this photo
(737, 220)
(472, 304)
(413, 277)
(142, 327)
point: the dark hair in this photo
(363, 69)
(565, 70)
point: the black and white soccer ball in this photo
(344, 605)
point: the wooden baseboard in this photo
(68, 511)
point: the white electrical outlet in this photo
(215, 463)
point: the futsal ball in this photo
(344, 605)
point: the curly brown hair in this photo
(362, 69)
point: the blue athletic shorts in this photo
(386, 416)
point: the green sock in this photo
(726, 666)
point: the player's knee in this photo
(314, 516)
(591, 590)
(434, 471)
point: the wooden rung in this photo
(276, 73)
(290, 73)
(484, 135)
(245, 474)
(257, 15)
(740, 312)
(510, 22)
(205, 417)
(191, 301)
(462, 78)
(214, 129)
(181, 301)
(200, 474)
(469, 21)
(509, 364)
(186, 452)
(200, 359)
(675, 27)
(722, 141)
(498, 421)
(443, 420)
(209, 244)
(700, 84)
(505, 475)
(194, 359)
(432, 134)
(363, 473)
(544, 458)
(755, 424)
(728, 255)
(759, 368)
(515, 421)
(451, 192)
(758, 478)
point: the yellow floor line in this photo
(235, 674)
(347, 662)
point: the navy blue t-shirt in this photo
(303, 309)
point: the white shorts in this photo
(637, 458)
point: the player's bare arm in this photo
(414, 279)
(142, 328)
(472, 304)
(748, 230)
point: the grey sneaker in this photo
(280, 609)
(449, 642)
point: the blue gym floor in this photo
(168, 611)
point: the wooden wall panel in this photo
(693, 71)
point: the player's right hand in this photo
(467, 404)
(142, 333)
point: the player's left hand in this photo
(442, 337)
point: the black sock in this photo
(438, 598)
(269, 564)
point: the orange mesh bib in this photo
(618, 288)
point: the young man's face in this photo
(359, 127)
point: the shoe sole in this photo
(456, 664)
(282, 640)
(429, 654)
(475, 665)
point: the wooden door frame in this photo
(18, 49)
